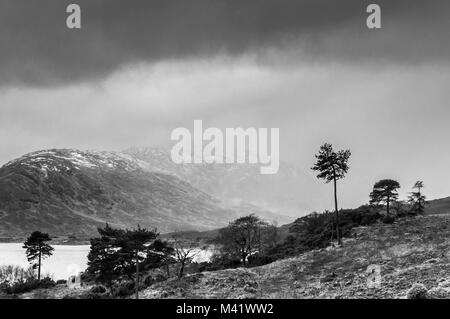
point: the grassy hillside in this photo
(438, 206)
(412, 250)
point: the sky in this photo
(136, 70)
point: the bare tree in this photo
(184, 253)
(246, 236)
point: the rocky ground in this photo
(412, 255)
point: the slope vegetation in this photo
(412, 250)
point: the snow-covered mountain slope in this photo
(72, 192)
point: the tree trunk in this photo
(180, 274)
(387, 206)
(39, 264)
(338, 235)
(420, 202)
(137, 276)
(168, 270)
(111, 290)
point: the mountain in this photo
(68, 191)
(438, 206)
(238, 183)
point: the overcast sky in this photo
(138, 69)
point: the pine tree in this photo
(120, 253)
(417, 199)
(384, 191)
(37, 249)
(332, 166)
(103, 258)
(135, 244)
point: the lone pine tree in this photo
(37, 249)
(332, 166)
(417, 199)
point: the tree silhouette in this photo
(417, 199)
(134, 244)
(332, 166)
(160, 254)
(37, 249)
(184, 253)
(384, 191)
(103, 261)
(244, 236)
(120, 253)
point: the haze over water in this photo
(66, 260)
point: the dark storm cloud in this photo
(37, 49)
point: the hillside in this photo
(412, 250)
(68, 192)
(438, 206)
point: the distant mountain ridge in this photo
(237, 183)
(438, 206)
(68, 191)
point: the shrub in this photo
(98, 289)
(159, 278)
(438, 293)
(259, 260)
(16, 280)
(11, 274)
(96, 292)
(315, 231)
(92, 295)
(124, 289)
(418, 291)
(388, 220)
(148, 281)
(218, 262)
(29, 285)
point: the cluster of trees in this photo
(119, 254)
(249, 237)
(115, 256)
(333, 166)
(127, 255)
(386, 192)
